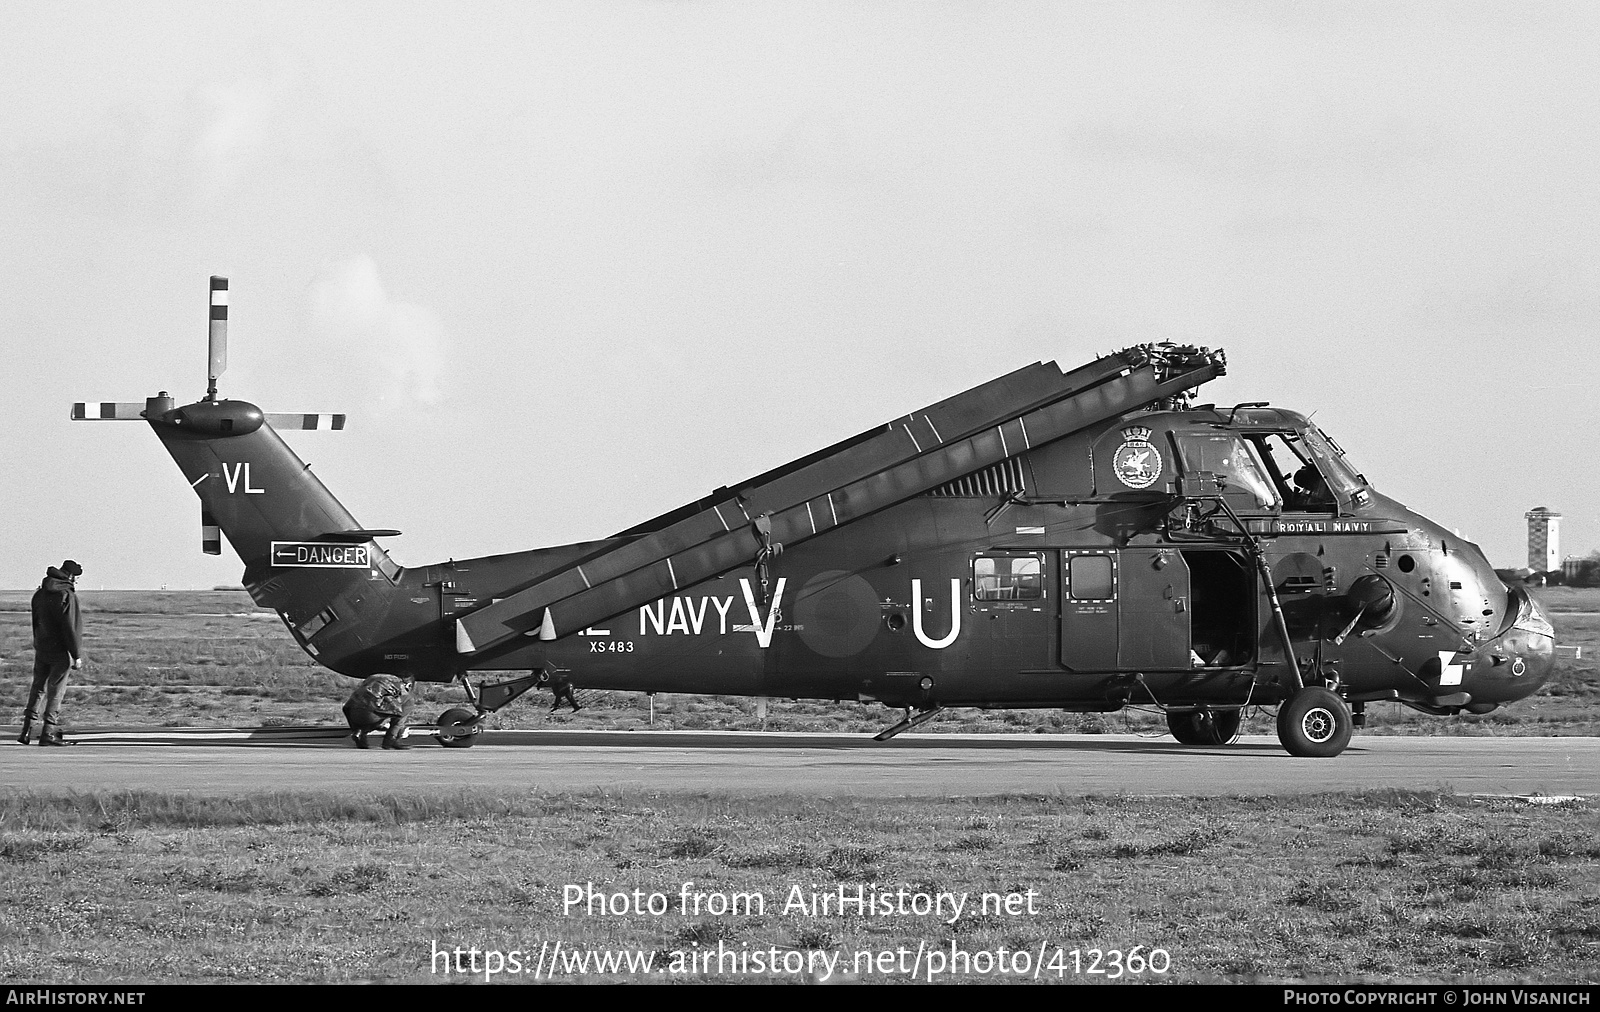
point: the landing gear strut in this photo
(908, 722)
(1314, 723)
(458, 726)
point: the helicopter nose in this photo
(1541, 646)
(1528, 647)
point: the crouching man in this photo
(380, 701)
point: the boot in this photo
(360, 737)
(395, 737)
(49, 737)
(27, 729)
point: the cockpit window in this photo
(1294, 472)
(1229, 457)
(1331, 460)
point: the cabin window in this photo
(1008, 577)
(1091, 578)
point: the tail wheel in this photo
(452, 733)
(1314, 723)
(1204, 727)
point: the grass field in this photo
(1379, 887)
(211, 658)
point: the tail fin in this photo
(252, 487)
(250, 483)
(304, 554)
(263, 497)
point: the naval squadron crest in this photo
(1137, 462)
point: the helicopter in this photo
(1083, 540)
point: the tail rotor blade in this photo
(108, 411)
(285, 420)
(219, 334)
(210, 533)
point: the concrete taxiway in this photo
(245, 761)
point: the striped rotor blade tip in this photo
(284, 420)
(108, 411)
(218, 351)
(219, 298)
(210, 533)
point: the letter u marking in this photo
(955, 615)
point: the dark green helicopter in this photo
(1082, 540)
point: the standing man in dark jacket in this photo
(57, 649)
(381, 700)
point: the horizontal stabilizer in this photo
(287, 420)
(108, 411)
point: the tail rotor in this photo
(209, 419)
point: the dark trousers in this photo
(49, 684)
(363, 720)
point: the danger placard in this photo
(315, 555)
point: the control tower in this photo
(1544, 539)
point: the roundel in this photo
(837, 613)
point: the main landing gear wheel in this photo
(1204, 727)
(453, 717)
(1314, 723)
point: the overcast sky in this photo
(569, 266)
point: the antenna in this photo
(219, 334)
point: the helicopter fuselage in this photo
(1199, 557)
(1079, 539)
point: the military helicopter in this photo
(1081, 540)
